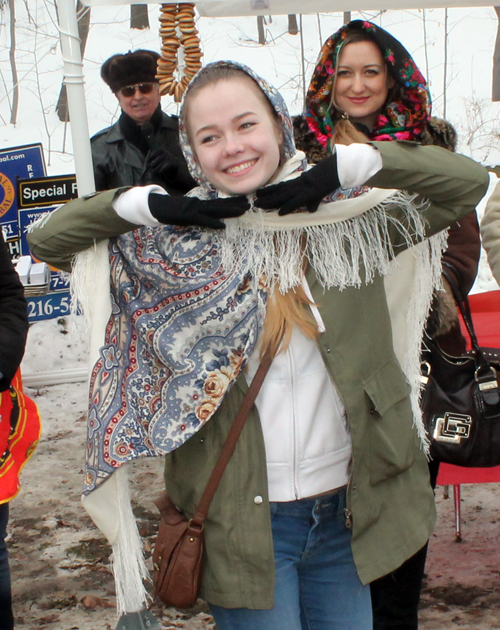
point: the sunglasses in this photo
(130, 90)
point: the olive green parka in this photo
(390, 502)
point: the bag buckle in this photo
(425, 372)
(452, 428)
(488, 382)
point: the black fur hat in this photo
(131, 68)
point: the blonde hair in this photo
(346, 133)
(283, 312)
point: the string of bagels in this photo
(177, 31)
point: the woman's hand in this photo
(306, 191)
(187, 211)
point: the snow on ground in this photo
(60, 562)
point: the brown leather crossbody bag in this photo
(178, 551)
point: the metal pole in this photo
(74, 81)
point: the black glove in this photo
(162, 162)
(193, 211)
(306, 191)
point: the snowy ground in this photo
(60, 569)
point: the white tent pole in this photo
(73, 78)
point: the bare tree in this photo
(260, 29)
(139, 17)
(293, 28)
(319, 31)
(13, 67)
(496, 62)
(303, 64)
(481, 133)
(426, 51)
(445, 61)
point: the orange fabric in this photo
(20, 430)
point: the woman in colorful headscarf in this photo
(365, 78)
(366, 86)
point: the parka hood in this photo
(274, 98)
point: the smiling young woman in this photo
(329, 465)
(238, 146)
(366, 75)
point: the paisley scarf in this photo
(401, 119)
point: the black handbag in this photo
(461, 399)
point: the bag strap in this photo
(231, 440)
(482, 363)
(462, 302)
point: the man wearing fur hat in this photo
(142, 147)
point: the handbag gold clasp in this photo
(452, 428)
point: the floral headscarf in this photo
(274, 98)
(403, 119)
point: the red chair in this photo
(450, 475)
(485, 309)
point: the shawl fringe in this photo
(128, 564)
(343, 253)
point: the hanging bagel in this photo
(177, 32)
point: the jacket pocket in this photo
(392, 435)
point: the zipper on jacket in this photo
(348, 518)
(347, 509)
(290, 363)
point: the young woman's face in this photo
(234, 136)
(362, 82)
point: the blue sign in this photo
(27, 163)
(24, 162)
(48, 306)
(58, 301)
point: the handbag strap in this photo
(462, 301)
(231, 440)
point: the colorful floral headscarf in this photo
(403, 119)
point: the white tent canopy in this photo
(284, 7)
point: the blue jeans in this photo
(317, 585)
(6, 618)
